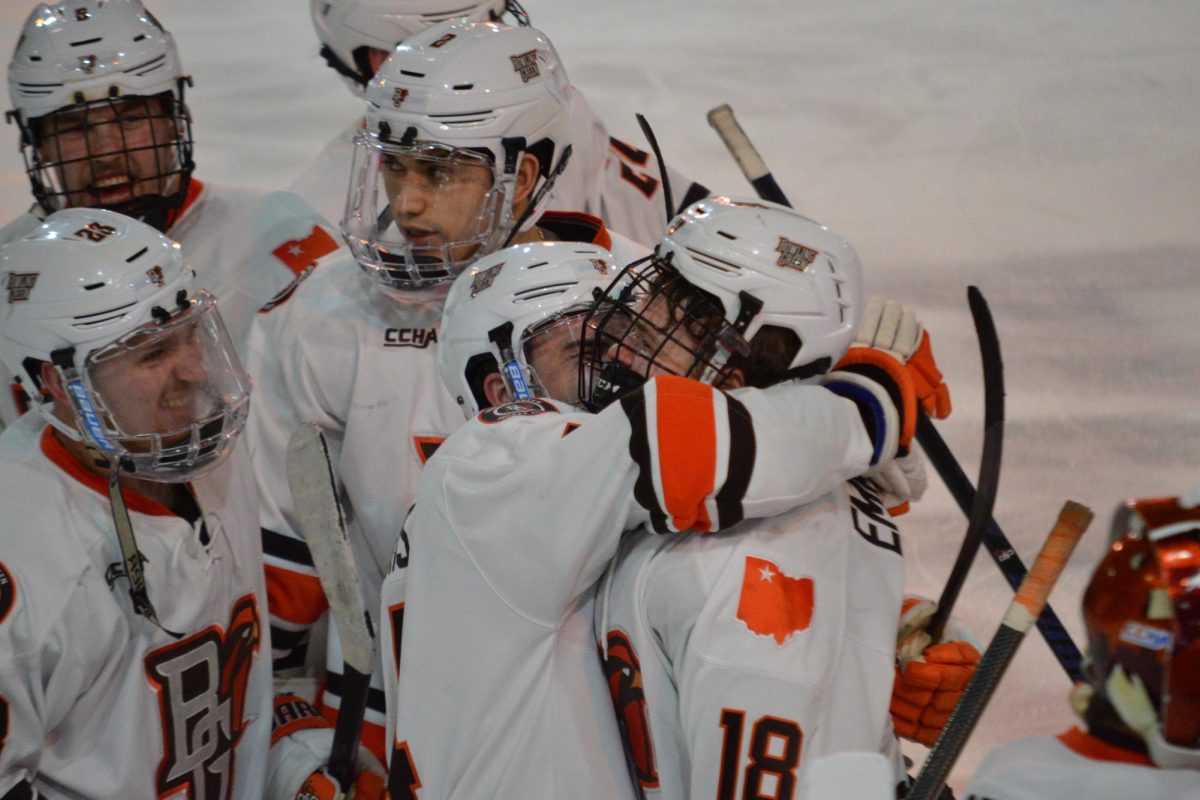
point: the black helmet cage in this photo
(174, 157)
(618, 332)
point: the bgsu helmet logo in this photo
(201, 684)
(624, 673)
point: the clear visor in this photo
(1179, 560)
(559, 357)
(417, 215)
(169, 397)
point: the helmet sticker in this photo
(485, 278)
(19, 285)
(399, 96)
(155, 274)
(517, 408)
(794, 255)
(525, 64)
(95, 232)
(1145, 636)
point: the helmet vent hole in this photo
(729, 236)
(35, 58)
(139, 37)
(82, 42)
(412, 74)
(92, 286)
(462, 87)
(539, 264)
(136, 255)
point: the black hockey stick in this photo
(989, 461)
(936, 450)
(313, 485)
(1031, 598)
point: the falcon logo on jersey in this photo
(485, 278)
(516, 408)
(624, 673)
(525, 64)
(19, 285)
(201, 684)
(794, 255)
(410, 337)
(772, 603)
(8, 592)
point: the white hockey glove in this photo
(300, 742)
(930, 678)
(901, 480)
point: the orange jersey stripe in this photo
(294, 597)
(687, 450)
(1089, 746)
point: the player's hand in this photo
(895, 329)
(929, 679)
(300, 746)
(901, 480)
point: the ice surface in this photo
(1046, 152)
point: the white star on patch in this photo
(295, 250)
(766, 574)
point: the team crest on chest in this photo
(19, 285)
(525, 64)
(794, 255)
(201, 683)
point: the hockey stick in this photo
(1072, 521)
(989, 460)
(936, 450)
(313, 484)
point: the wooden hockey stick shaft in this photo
(1029, 601)
(313, 483)
(940, 456)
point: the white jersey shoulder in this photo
(247, 246)
(779, 631)
(323, 183)
(85, 683)
(1046, 768)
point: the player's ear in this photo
(527, 175)
(52, 383)
(494, 389)
(733, 379)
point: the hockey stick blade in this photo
(743, 151)
(1030, 599)
(313, 485)
(989, 461)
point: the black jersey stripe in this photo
(742, 450)
(634, 406)
(335, 681)
(286, 548)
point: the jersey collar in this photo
(53, 449)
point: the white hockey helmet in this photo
(348, 29)
(726, 269)
(458, 104)
(505, 304)
(152, 376)
(85, 56)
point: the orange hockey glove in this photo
(300, 742)
(892, 327)
(929, 679)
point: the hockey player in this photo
(735, 661)
(98, 96)
(133, 653)
(520, 509)
(1141, 705)
(607, 177)
(465, 125)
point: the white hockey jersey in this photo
(1076, 764)
(736, 659)
(605, 177)
(362, 364)
(247, 247)
(96, 701)
(494, 684)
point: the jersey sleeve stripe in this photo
(740, 464)
(687, 450)
(294, 597)
(634, 406)
(285, 548)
